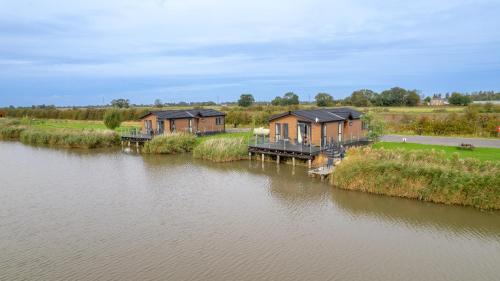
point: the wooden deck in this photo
(136, 138)
(285, 149)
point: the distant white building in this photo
(487, 101)
(438, 102)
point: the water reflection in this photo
(108, 215)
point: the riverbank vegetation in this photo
(222, 149)
(423, 175)
(170, 144)
(46, 132)
(70, 138)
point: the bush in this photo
(112, 119)
(170, 144)
(222, 149)
(423, 175)
(70, 138)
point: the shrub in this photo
(112, 119)
(70, 138)
(423, 175)
(170, 144)
(10, 129)
(222, 149)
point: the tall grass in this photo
(70, 138)
(222, 149)
(170, 144)
(423, 175)
(10, 129)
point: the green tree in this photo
(112, 119)
(361, 97)
(277, 101)
(158, 103)
(427, 100)
(246, 100)
(120, 103)
(412, 98)
(459, 99)
(375, 125)
(290, 98)
(323, 99)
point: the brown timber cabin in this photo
(196, 121)
(305, 134)
(317, 126)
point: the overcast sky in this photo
(89, 52)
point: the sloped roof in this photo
(180, 114)
(322, 115)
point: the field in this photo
(47, 124)
(480, 153)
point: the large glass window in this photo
(340, 131)
(285, 130)
(277, 132)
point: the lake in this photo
(110, 215)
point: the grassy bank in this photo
(70, 138)
(480, 153)
(423, 175)
(170, 144)
(222, 149)
(45, 132)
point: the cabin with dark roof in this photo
(195, 121)
(317, 126)
(306, 134)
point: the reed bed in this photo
(70, 138)
(422, 175)
(170, 144)
(222, 149)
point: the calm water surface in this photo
(76, 215)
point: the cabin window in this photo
(190, 125)
(159, 125)
(323, 133)
(149, 126)
(278, 131)
(285, 130)
(219, 120)
(364, 125)
(172, 126)
(340, 131)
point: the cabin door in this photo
(160, 126)
(341, 128)
(303, 133)
(285, 131)
(323, 134)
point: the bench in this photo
(466, 146)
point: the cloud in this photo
(357, 41)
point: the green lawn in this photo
(481, 153)
(77, 124)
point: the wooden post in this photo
(310, 163)
(293, 161)
(249, 155)
(278, 159)
(137, 144)
(128, 143)
(262, 157)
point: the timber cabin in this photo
(305, 134)
(195, 121)
(162, 122)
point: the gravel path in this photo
(451, 141)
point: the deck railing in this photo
(295, 145)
